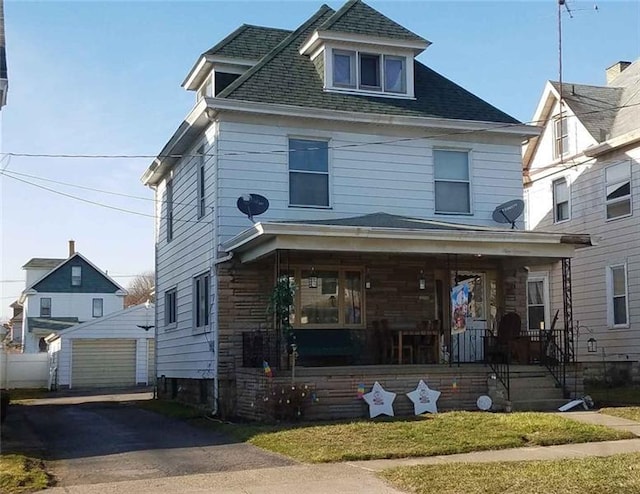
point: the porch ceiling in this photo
(401, 235)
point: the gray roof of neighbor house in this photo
(43, 263)
(249, 42)
(52, 323)
(606, 111)
(283, 76)
(357, 17)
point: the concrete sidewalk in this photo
(357, 476)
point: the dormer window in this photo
(366, 71)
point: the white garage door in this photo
(103, 363)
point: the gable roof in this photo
(288, 78)
(249, 42)
(43, 263)
(66, 262)
(51, 323)
(356, 17)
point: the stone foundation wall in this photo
(612, 373)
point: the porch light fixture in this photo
(592, 345)
(367, 280)
(313, 279)
(422, 282)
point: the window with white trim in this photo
(170, 306)
(560, 137)
(560, 200)
(97, 307)
(369, 71)
(617, 296)
(452, 182)
(308, 173)
(201, 300)
(76, 275)
(45, 307)
(169, 209)
(200, 183)
(618, 190)
(537, 302)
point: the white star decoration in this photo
(424, 399)
(380, 401)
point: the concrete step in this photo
(538, 405)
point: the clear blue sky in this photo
(91, 77)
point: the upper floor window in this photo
(369, 71)
(170, 306)
(308, 173)
(560, 137)
(618, 190)
(617, 299)
(45, 307)
(452, 183)
(98, 307)
(560, 200)
(200, 183)
(201, 298)
(169, 210)
(76, 275)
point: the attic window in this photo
(370, 72)
(76, 275)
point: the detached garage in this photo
(112, 351)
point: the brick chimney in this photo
(72, 247)
(615, 70)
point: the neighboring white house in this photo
(115, 350)
(60, 293)
(582, 175)
(381, 174)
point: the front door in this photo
(468, 345)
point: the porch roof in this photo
(386, 233)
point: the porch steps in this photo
(533, 388)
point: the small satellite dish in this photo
(252, 205)
(509, 212)
(484, 402)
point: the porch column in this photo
(569, 353)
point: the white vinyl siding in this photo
(308, 173)
(618, 190)
(561, 203)
(169, 210)
(617, 296)
(452, 182)
(201, 184)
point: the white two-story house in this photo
(382, 177)
(60, 293)
(582, 175)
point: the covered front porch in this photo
(390, 299)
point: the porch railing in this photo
(553, 357)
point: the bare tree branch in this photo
(141, 289)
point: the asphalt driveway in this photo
(107, 439)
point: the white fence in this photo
(24, 370)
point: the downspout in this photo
(155, 288)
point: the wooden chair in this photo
(427, 342)
(511, 340)
(392, 344)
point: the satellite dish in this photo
(508, 212)
(252, 205)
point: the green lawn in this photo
(441, 434)
(631, 413)
(608, 475)
(20, 474)
(613, 396)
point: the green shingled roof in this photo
(356, 17)
(285, 77)
(249, 42)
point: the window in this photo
(170, 306)
(344, 70)
(98, 304)
(560, 200)
(327, 297)
(560, 137)
(76, 275)
(308, 173)
(537, 297)
(45, 307)
(618, 190)
(617, 306)
(201, 301)
(201, 201)
(371, 71)
(452, 186)
(169, 210)
(395, 74)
